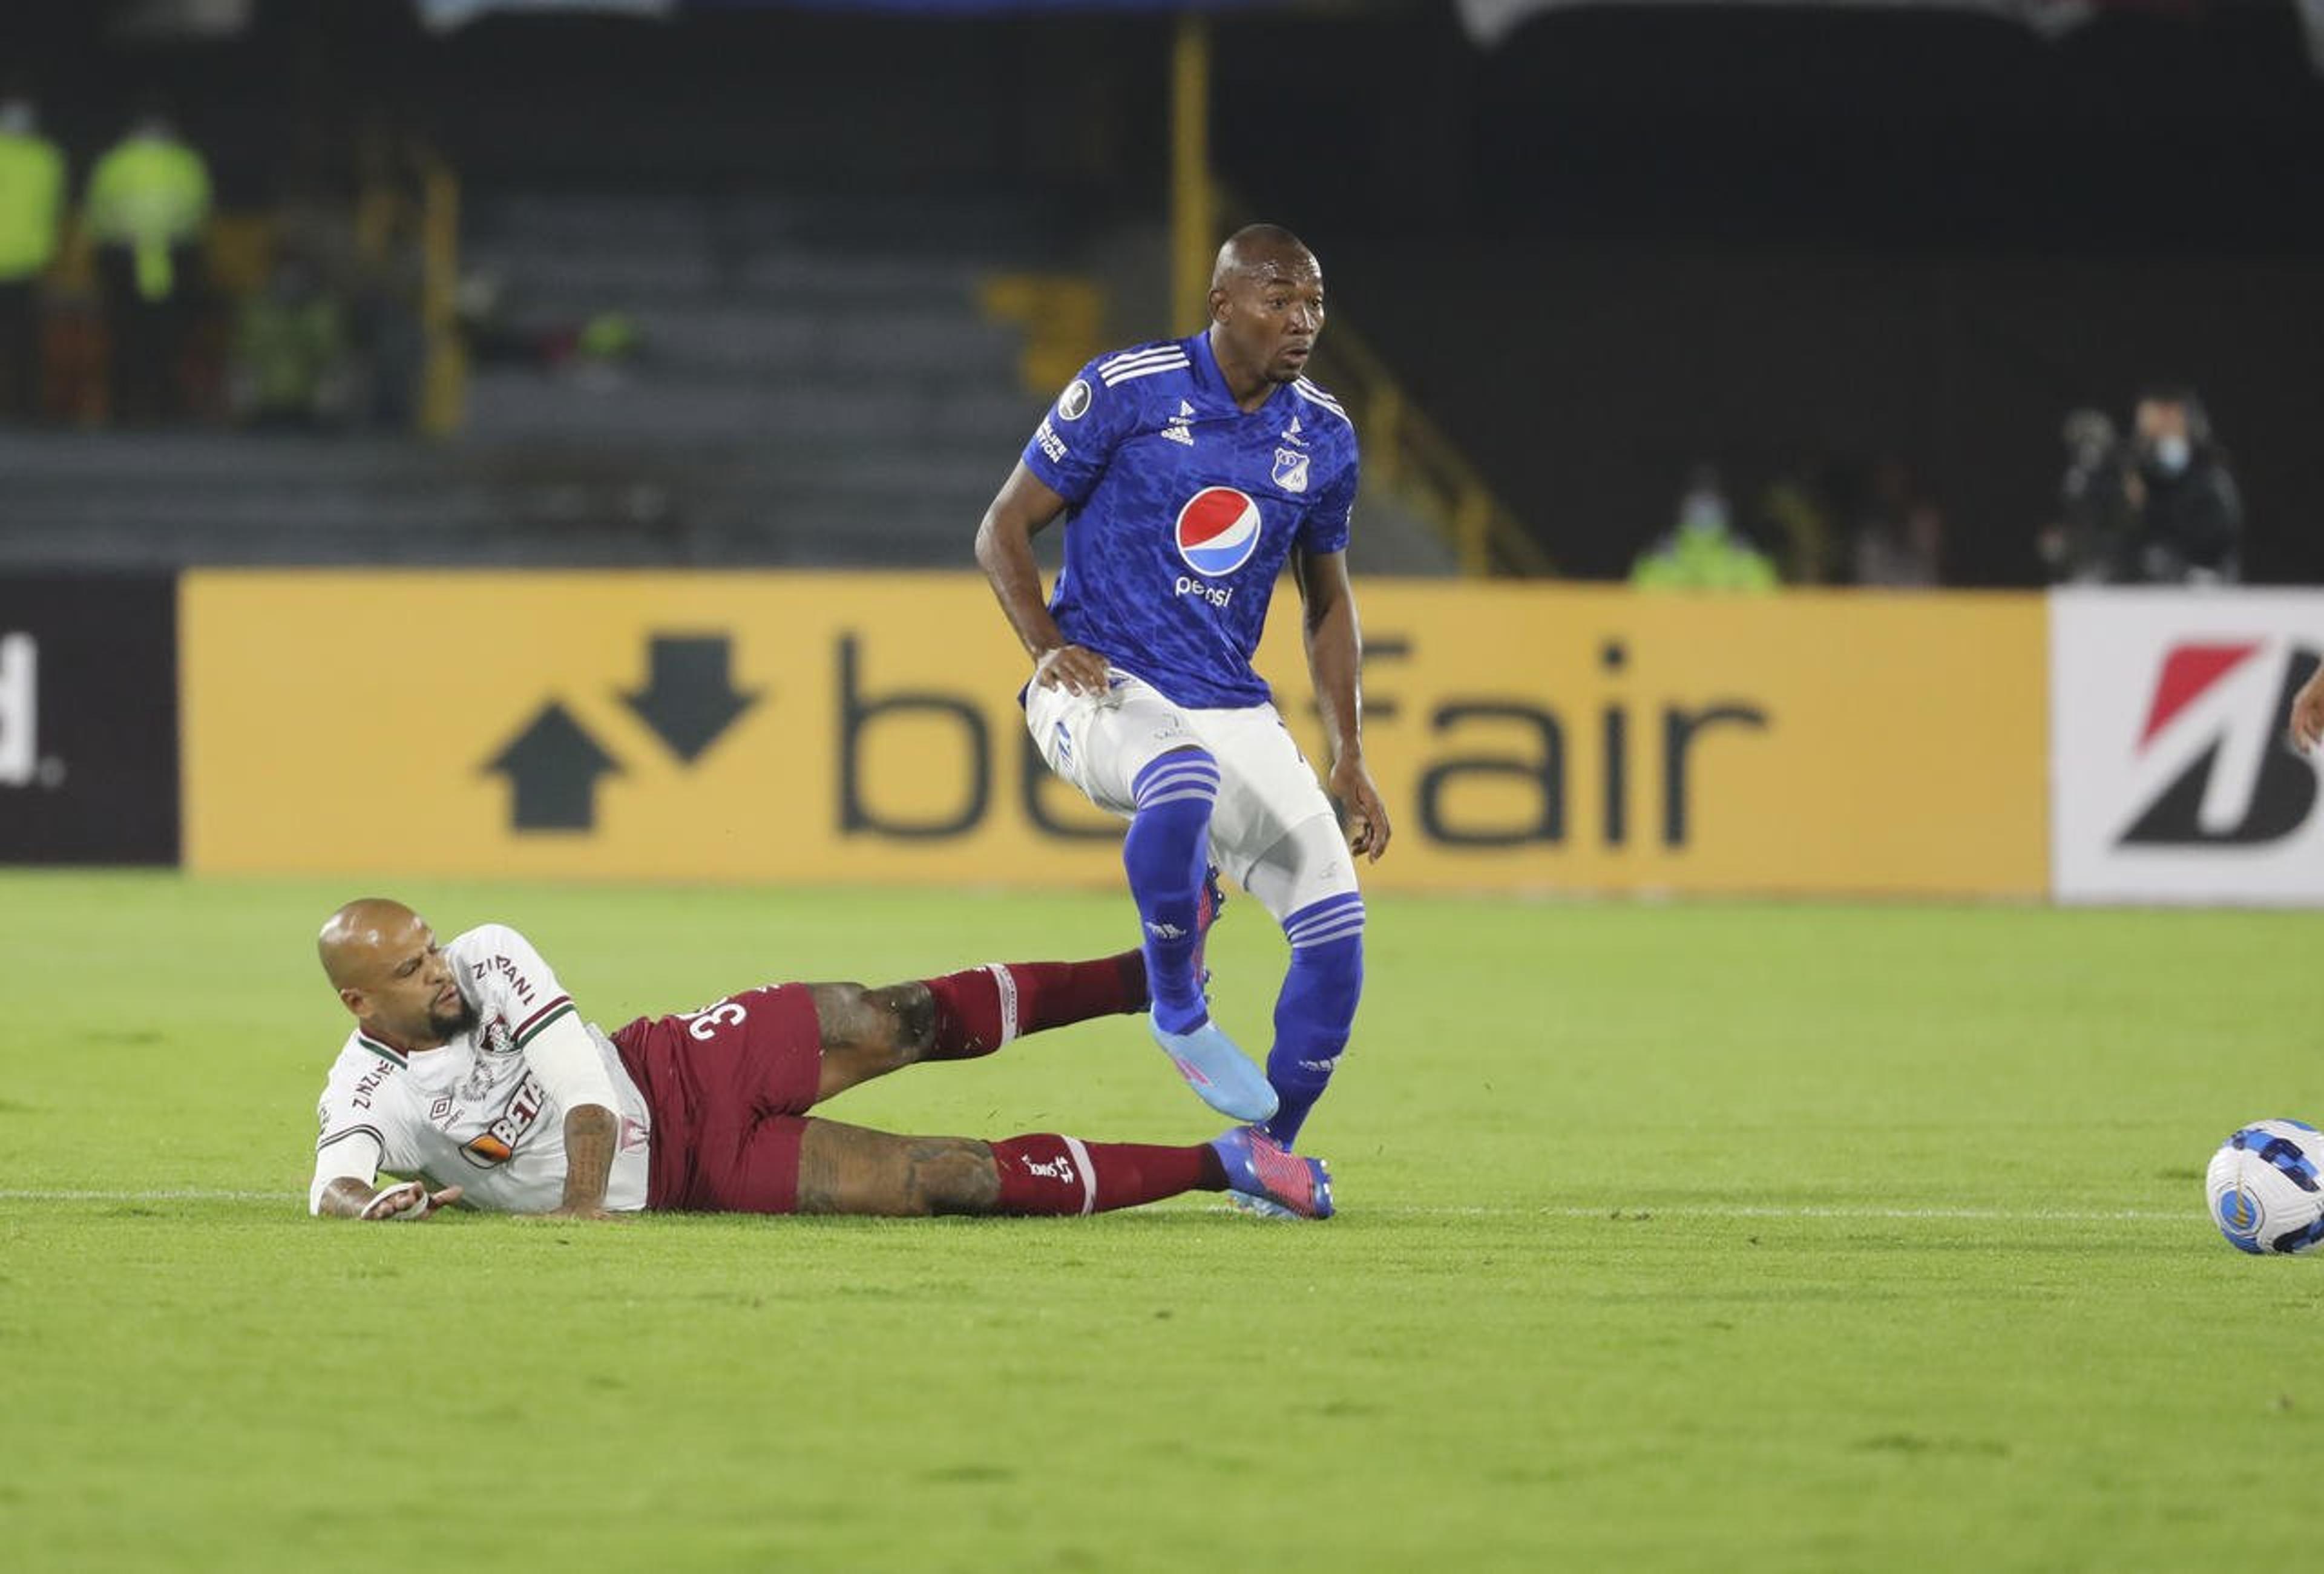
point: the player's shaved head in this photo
(1262, 251)
(384, 961)
(354, 938)
(1266, 308)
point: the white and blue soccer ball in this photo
(2265, 1189)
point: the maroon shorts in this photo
(729, 1087)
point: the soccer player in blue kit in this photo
(1188, 472)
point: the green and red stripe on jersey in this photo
(530, 1027)
(392, 1057)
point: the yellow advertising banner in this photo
(860, 727)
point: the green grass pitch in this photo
(1717, 1237)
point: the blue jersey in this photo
(1181, 509)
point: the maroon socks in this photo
(1047, 1173)
(982, 1008)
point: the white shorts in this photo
(1273, 830)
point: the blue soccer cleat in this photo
(1221, 1074)
(1267, 1179)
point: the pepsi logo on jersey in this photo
(1218, 530)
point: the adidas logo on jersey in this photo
(1177, 429)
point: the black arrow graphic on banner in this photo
(690, 697)
(553, 766)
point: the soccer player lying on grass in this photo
(470, 1061)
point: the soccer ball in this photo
(2265, 1191)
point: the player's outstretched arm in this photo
(1024, 507)
(2308, 712)
(1335, 662)
(349, 1197)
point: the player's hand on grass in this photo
(1073, 667)
(407, 1203)
(1361, 813)
(2308, 712)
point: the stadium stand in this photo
(807, 382)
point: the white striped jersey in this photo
(472, 1113)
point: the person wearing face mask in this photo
(31, 206)
(2187, 511)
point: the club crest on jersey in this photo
(1290, 469)
(1075, 402)
(1218, 530)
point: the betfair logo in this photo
(553, 762)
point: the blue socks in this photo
(1165, 854)
(1317, 1006)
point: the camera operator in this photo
(2187, 511)
(2088, 542)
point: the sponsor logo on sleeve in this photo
(518, 984)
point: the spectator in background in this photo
(388, 300)
(148, 208)
(31, 209)
(2187, 510)
(2088, 542)
(2159, 506)
(290, 350)
(1704, 552)
(1899, 540)
(1795, 513)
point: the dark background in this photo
(108, 726)
(1625, 242)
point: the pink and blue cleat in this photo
(1266, 1178)
(1222, 1075)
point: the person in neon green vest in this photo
(147, 207)
(1704, 552)
(32, 207)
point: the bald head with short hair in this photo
(1260, 252)
(354, 936)
(1266, 308)
(384, 961)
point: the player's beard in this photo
(453, 1023)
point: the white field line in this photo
(1741, 1210)
(187, 1194)
(1622, 1215)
